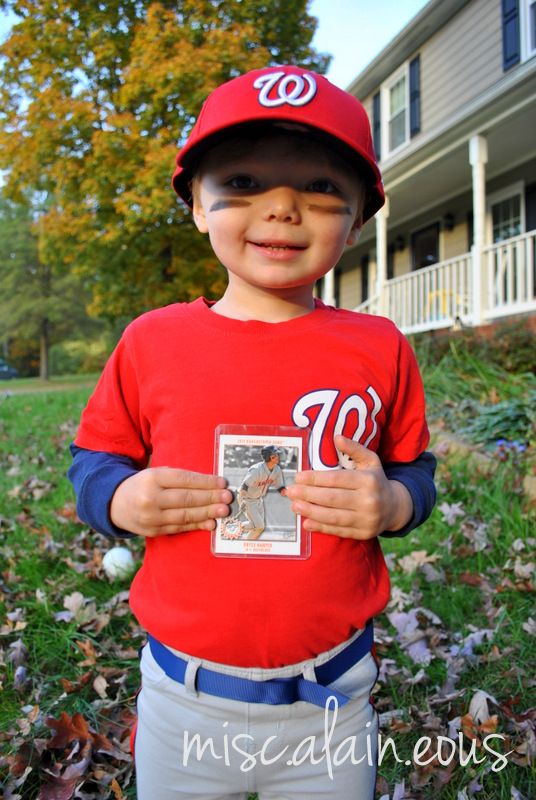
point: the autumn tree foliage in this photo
(39, 305)
(95, 97)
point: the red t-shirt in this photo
(181, 371)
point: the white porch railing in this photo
(441, 295)
(510, 271)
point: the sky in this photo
(353, 31)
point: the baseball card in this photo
(259, 464)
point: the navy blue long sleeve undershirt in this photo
(96, 475)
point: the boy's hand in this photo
(163, 500)
(357, 503)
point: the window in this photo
(528, 25)
(506, 213)
(506, 218)
(513, 274)
(530, 208)
(364, 278)
(390, 262)
(425, 247)
(519, 31)
(398, 103)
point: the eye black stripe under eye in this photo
(343, 210)
(218, 205)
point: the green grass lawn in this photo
(461, 619)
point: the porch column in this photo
(328, 288)
(381, 257)
(478, 158)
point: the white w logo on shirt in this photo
(325, 399)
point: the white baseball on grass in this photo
(118, 562)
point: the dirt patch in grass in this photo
(56, 384)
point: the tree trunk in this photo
(43, 351)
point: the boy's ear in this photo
(355, 232)
(199, 215)
(198, 211)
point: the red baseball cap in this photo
(289, 94)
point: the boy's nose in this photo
(282, 205)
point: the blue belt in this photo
(277, 691)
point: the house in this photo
(452, 102)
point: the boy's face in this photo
(279, 211)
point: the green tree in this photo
(94, 98)
(36, 303)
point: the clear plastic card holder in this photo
(259, 462)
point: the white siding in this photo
(367, 105)
(402, 262)
(350, 288)
(460, 61)
(455, 241)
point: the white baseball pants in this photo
(202, 747)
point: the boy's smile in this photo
(278, 211)
(277, 250)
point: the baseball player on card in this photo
(261, 477)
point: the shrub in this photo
(509, 345)
(78, 356)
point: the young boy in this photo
(258, 672)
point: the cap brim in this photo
(189, 158)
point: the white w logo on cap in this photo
(290, 89)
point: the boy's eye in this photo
(322, 186)
(241, 182)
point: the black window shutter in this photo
(511, 37)
(415, 96)
(376, 125)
